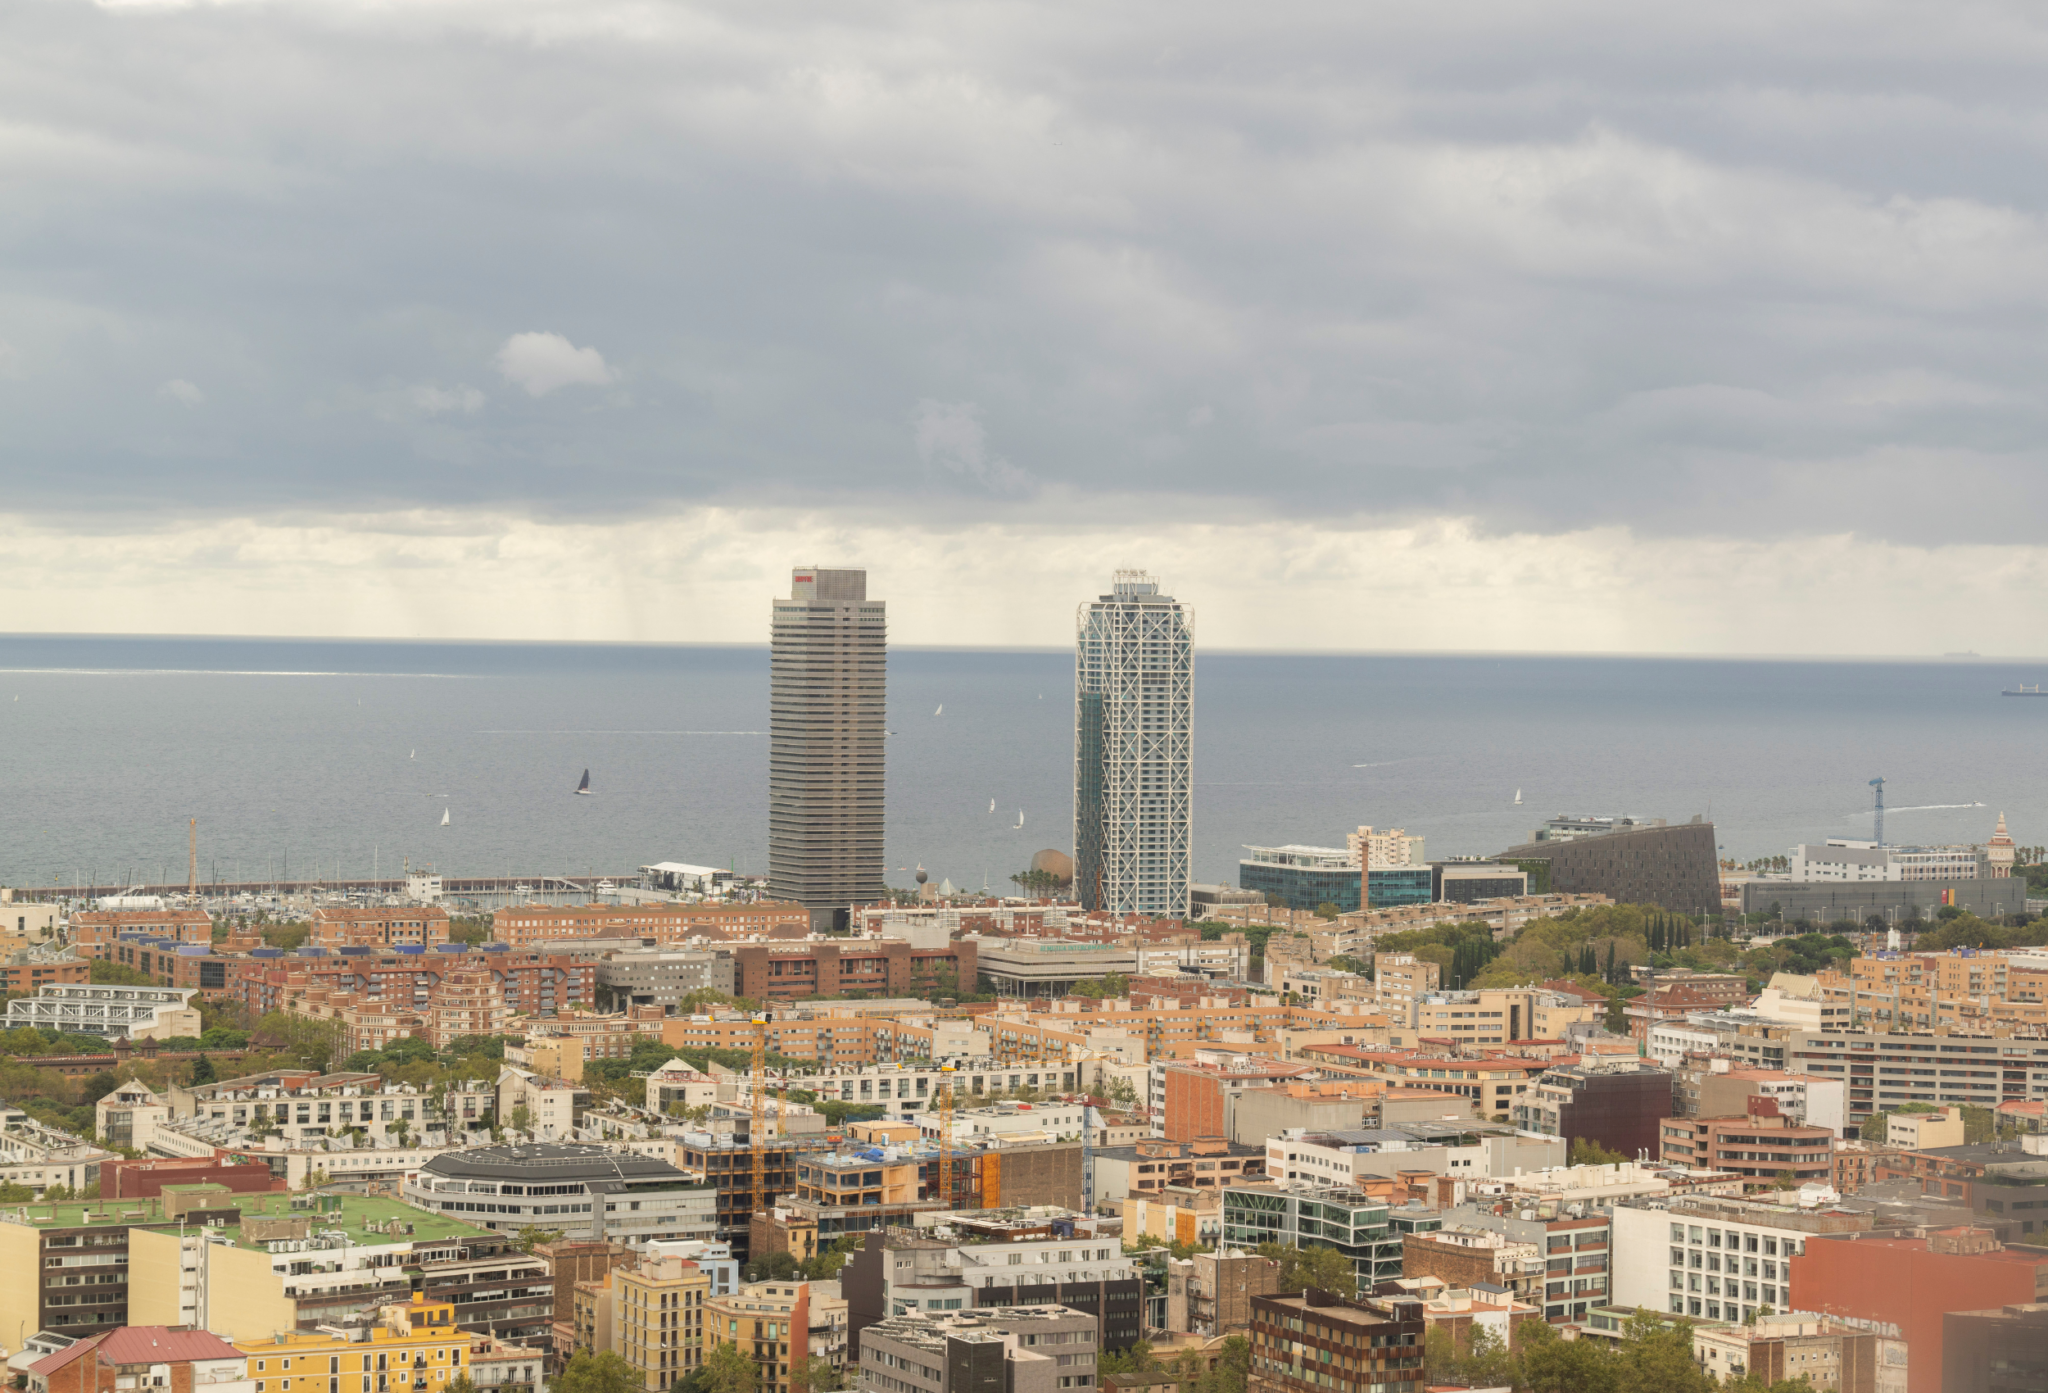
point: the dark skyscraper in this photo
(1134, 737)
(827, 701)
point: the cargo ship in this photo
(2034, 690)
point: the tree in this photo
(726, 1370)
(520, 1118)
(816, 1375)
(1317, 1265)
(203, 1071)
(1656, 1357)
(1551, 1364)
(600, 1373)
(1588, 1152)
(533, 1235)
(460, 1384)
(1137, 1359)
(1233, 1367)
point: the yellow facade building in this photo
(658, 1317)
(758, 1318)
(415, 1346)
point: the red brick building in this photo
(1913, 1282)
(92, 929)
(145, 1178)
(533, 982)
(347, 926)
(525, 925)
(1759, 1147)
(26, 977)
(882, 967)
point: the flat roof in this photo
(355, 1209)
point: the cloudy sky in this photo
(1572, 326)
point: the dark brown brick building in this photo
(881, 967)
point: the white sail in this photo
(444, 817)
(941, 711)
(1518, 795)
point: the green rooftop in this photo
(351, 1215)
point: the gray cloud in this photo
(1738, 270)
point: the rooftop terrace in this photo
(357, 1214)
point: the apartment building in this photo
(1491, 1084)
(1197, 1095)
(1762, 1147)
(668, 925)
(1832, 1356)
(1714, 1086)
(1884, 1070)
(1492, 1016)
(1014, 1349)
(302, 1106)
(1314, 1342)
(1403, 980)
(1291, 1213)
(1717, 1259)
(798, 969)
(768, 1321)
(542, 981)
(91, 931)
(385, 926)
(1210, 1294)
(508, 1295)
(1152, 1167)
(133, 1013)
(1619, 1101)
(37, 1155)
(415, 1345)
(1468, 1257)
(1577, 1251)
(660, 1309)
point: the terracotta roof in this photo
(162, 1344)
(51, 1363)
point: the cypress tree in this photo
(1610, 963)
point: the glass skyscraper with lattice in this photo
(1134, 734)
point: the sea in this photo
(335, 759)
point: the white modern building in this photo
(1215, 959)
(139, 1013)
(1346, 1158)
(1714, 1259)
(1847, 861)
(1134, 730)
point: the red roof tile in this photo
(160, 1344)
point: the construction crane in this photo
(757, 1201)
(946, 1072)
(192, 864)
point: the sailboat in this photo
(1518, 797)
(1020, 820)
(412, 754)
(941, 711)
(444, 817)
(991, 805)
(584, 787)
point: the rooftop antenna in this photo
(1877, 832)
